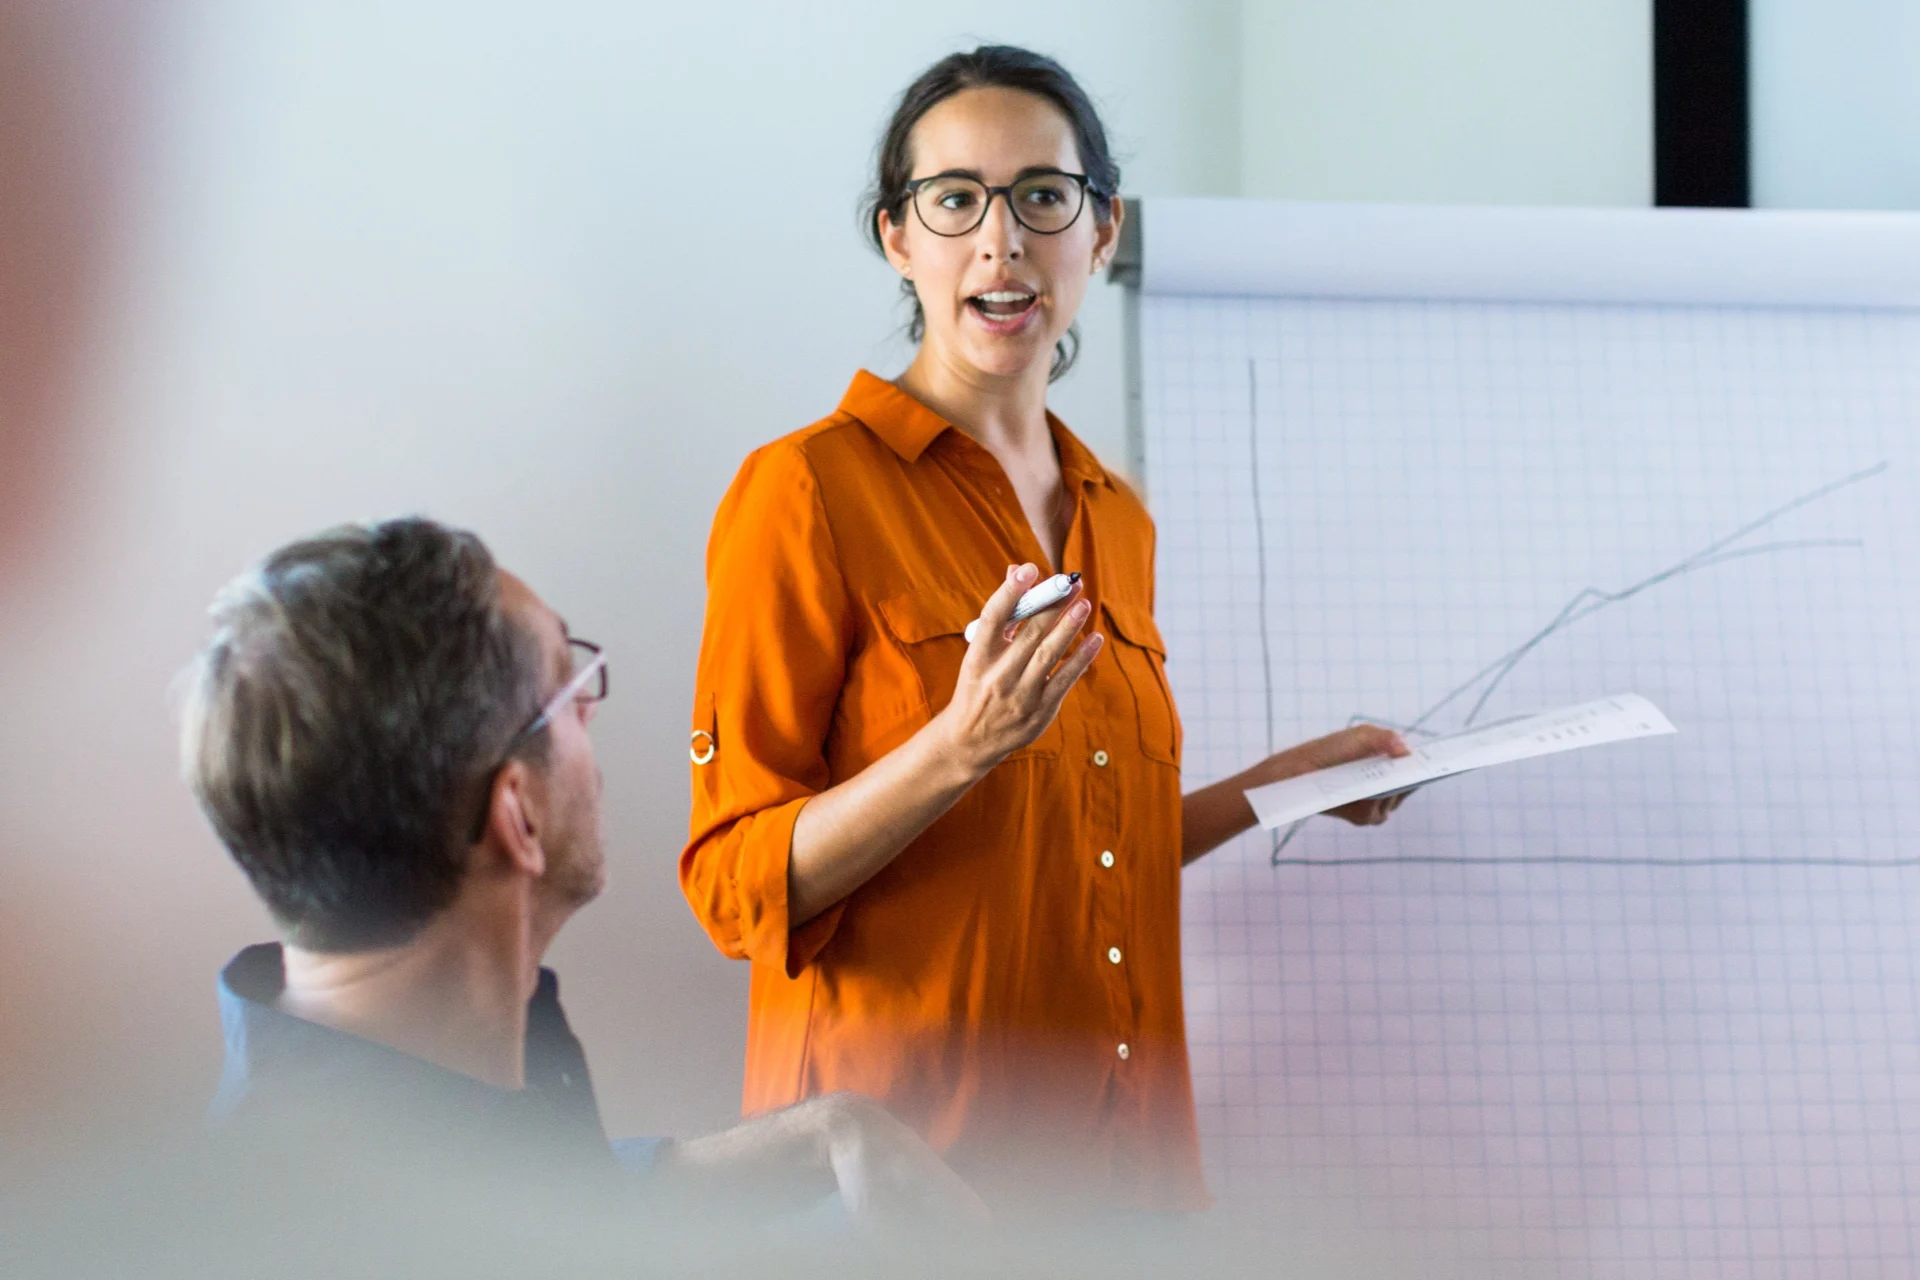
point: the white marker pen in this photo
(1038, 599)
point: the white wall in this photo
(1462, 102)
(548, 271)
(551, 271)
(1836, 104)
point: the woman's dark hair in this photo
(992, 66)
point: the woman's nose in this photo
(999, 232)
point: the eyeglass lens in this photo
(1044, 202)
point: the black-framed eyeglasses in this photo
(1045, 203)
(588, 683)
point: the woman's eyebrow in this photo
(1031, 171)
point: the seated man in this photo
(389, 734)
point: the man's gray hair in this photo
(342, 724)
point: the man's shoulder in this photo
(276, 1060)
(301, 1085)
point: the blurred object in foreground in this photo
(68, 78)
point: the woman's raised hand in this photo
(1012, 681)
(1009, 689)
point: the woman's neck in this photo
(1008, 418)
(1005, 414)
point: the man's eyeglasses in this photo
(587, 684)
(1045, 203)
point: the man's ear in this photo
(893, 240)
(514, 818)
(1107, 238)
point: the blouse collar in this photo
(909, 427)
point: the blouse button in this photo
(1106, 858)
(1100, 759)
(1124, 1052)
(1113, 954)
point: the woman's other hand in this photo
(1361, 742)
(1013, 680)
(1214, 815)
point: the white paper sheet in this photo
(1620, 718)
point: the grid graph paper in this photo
(1648, 1010)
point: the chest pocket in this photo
(1141, 656)
(930, 626)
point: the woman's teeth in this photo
(1002, 304)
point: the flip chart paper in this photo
(1646, 1011)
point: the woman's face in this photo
(998, 297)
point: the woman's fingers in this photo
(1015, 686)
(990, 635)
(1362, 813)
(1373, 812)
(1056, 642)
(1034, 632)
(1361, 742)
(1060, 683)
(1377, 740)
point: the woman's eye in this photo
(955, 199)
(1044, 196)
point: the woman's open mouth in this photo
(1004, 310)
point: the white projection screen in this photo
(1647, 1010)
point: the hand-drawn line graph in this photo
(1585, 603)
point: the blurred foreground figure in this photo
(67, 68)
(389, 734)
(72, 74)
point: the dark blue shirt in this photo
(290, 1080)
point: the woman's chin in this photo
(1008, 356)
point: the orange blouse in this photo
(1010, 983)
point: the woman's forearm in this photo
(1216, 814)
(844, 836)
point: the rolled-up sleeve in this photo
(773, 659)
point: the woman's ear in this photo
(893, 241)
(1106, 238)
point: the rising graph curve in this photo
(1587, 602)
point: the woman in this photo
(956, 866)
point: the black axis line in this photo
(1588, 860)
(1585, 603)
(1260, 554)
